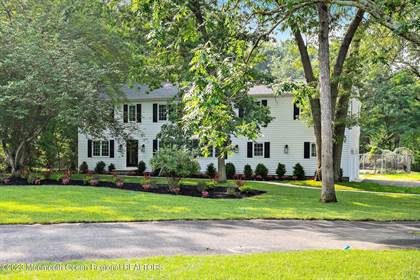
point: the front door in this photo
(132, 153)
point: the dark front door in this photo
(132, 153)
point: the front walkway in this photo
(60, 242)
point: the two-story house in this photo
(285, 139)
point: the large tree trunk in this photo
(314, 102)
(328, 191)
(221, 169)
(316, 116)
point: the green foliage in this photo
(281, 170)
(248, 171)
(111, 167)
(211, 170)
(230, 170)
(175, 163)
(100, 167)
(299, 172)
(49, 74)
(141, 167)
(83, 168)
(261, 170)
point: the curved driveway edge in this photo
(61, 242)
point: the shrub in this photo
(141, 167)
(211, 170)
(174, 164)
(84, 168)
(248, 171)
(100, 167)
(261, 170)
(298, 172)
(245, 189)
(33, 179)
(281, 170)
(111, 167)
(230, 170)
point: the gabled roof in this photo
(167, 91)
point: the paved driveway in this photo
(60, 242)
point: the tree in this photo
(50, 72)
(296, 14)
(206, 43)
(174, 164)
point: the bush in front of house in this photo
(100, 167)
(261, 170)
(248, 171)
(84, 168)
(111, 167)
(298, 172)
(211, 170)
(141, 167)
(175, 163)
(230, 170)
(281, 170)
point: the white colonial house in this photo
(286, 139)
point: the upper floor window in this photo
(163, 112)
(132, 113)
(296, 111)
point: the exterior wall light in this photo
(236, 149)
(286, 149)
(143, 148)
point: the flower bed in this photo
(187, 190)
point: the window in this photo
(296, 111)
(313, 150)
(132, 113)
(96, 148)
(258, 149)
(162, 112)
(105, 148)
(100, 148)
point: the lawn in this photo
(54, 204)
(412, 176)
(359, 186)
(323, 264)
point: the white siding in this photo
(283, 130)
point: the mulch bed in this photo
(186, 190)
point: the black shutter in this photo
(296, 112)
(241, 112)
(267, 149)
(155, 112)
(249, 152)
(138, 112)
(306, 148)
(111, 148)
(226, 155)
(125, 113)
(155, 145)
(89, 148)
(264, 102)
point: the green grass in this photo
(54, 204)
(359, 186)
(412, 176)
(323, 264)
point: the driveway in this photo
(60, 242)
(412, 184)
